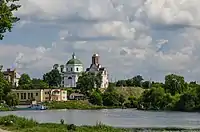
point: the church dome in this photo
(74, 60)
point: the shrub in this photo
(71, 127)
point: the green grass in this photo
(82, 105)
(20, 124)
(130, 91)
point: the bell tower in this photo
(95, 59)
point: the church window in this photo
(69, 77)
(71, 69)
(76, 69)
(67, 69)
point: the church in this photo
(71, 71)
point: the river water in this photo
(114, 117)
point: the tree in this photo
(25, 82)
(12, 99)
(174, 84)
(24, 79)
(98, 80)
(86, 82)
(146, 84)
(155, 99)
(7, 19)
(121, 83)
(39, 84)
(137, 80)
(52, 78)
(96, 98)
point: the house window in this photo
(76, 69)
(18, 95)
(28, 95)
(24, 95)
(36, 94)
(31, 95)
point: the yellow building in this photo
(40, 95)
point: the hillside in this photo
(130, 91)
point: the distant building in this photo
(40, 95)
(95, 67)
(12, 76)
(70, 72)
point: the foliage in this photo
(39, 84)
(132, 102)
(88, 81)
(96, 98)
(12, 99)
(146, 84)
(135, 81)
(52, 78)
(25, 82)
(7, 19)
(154, 99)
(174, 84)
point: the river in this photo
(114, 117)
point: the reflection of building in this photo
(40, 95)
(70, 72)
(95, 67)
(12, 76)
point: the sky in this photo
(151, 38)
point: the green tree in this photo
(25, 82)
(187, 102)
(86, 82)
(96, 98)
(7, 19)
(137, 80)
(24, 79)
(121, 83)
(174, 84)
(155, 99)
(39, 84)
(98, 80)
(52, 78)
(146, 84)
(12, 99)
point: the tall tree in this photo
(137, 80)
(86, 82)
(174, 84)
(39, 84)
(24, 79)
(53, 78)
(7, 19)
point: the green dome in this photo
(74, 61)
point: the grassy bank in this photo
(81, 105)
(19, 124)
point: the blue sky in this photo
(148, 37)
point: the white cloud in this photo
(126, 33)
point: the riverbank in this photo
(18, 124)
(75, 104)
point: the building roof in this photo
(74, 60)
